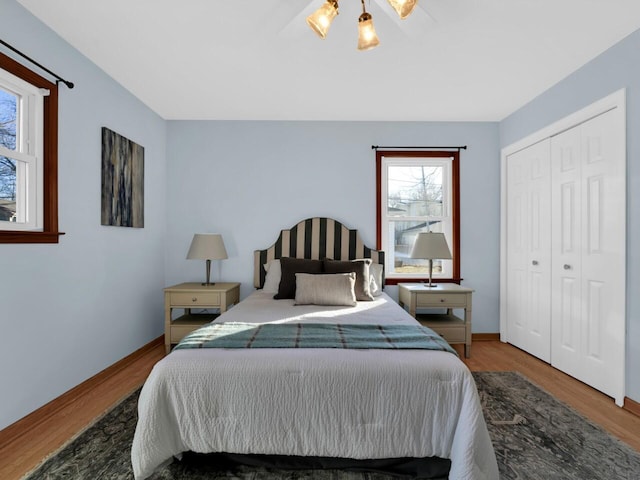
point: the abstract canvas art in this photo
(122, 181)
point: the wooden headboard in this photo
(315, 238)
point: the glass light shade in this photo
(367, 38)
(403, 7)
(321, 19)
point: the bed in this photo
(354, 400)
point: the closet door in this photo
(589, 238)
(567, 241)
(528, 250)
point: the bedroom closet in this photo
(564, 245)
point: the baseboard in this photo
(485, 337)
(631, 406)
(41, 415)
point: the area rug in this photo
(534, 435)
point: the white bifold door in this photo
(588, 265)
(529, 252)
(565, 251)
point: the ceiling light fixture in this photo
(403, 7)
(367, 38)
(321, 20)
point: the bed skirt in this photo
(418, 468)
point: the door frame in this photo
(616, 100)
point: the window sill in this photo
(29, 237)
(395, 281)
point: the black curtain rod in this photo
(378, 147)
(58, 77)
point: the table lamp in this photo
(430, 246)
(207, 246)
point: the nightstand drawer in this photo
(195, 299)
(442, 300)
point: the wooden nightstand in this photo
(443, 295)
(194, 295)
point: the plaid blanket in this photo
(314, 335)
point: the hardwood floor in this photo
(29, 447)
(37, 436)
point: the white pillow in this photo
(329, 289)
(375, 272)
(274, 273)
(375, 279)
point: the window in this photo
(28, 156)
(418, 191)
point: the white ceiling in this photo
(476, 60)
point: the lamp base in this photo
(205, 284)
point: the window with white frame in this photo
(418, 192)
(21, 151)
(28, 156)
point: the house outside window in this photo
(417, 192)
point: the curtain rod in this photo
(377, 147)
(58, 77)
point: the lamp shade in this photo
(207, 246)
(431, 245)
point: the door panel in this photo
(565, 270)
(595, 314)
(604, 264)
(567, 315)
(569, 217)
(528, 252)
(588, 194)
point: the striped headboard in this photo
(314, 238)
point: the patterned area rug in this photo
(534, 435)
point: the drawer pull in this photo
(194, 299)
(442, 300)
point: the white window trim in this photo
(447, 217)
(29, 151)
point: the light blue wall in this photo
(617, 68)
(247, 180)
(68, 311)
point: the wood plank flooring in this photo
(31, 447)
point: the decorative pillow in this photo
(360, 268)
(332, 289)
(376, 285)
(272, 279)
(289, 267)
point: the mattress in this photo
(347, 403)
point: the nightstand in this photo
(194, 295)
(442, 295)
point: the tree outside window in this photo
(7, 165)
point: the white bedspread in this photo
(313, 402)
